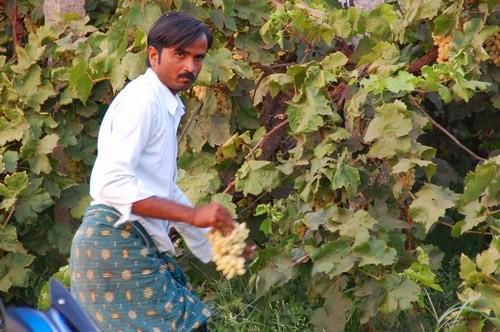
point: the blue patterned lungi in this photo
(124, 283)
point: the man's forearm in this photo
(161, 208)
(211, 215)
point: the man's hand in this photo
(248, 251)
(213, 215)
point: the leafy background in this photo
(366, 171)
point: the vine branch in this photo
(444, 131)
(190, 121)
(265, 137)
(466, 232)
(231, 184)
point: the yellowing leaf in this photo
(401, 292)
(12, 187)
(12, 125)
(389, 130)
(489, 261)
(431, 203)
(305, 116)
(220, 65)
(9, 241)
(345, 176)
(256, 176)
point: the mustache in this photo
(190, 76)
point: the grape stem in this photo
(446, 132)
(190, 121)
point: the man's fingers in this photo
(248, 251)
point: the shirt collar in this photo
(173, 102)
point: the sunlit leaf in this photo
(431, 203)
(256, 176)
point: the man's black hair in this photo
(176, 29)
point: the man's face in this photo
(178, 69)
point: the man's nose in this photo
(189, 65)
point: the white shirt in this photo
(137, 159)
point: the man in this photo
(121, 269)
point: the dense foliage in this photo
(360, 146)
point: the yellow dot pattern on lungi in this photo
(125, 253)
(89, 253)
(132, 314)
(125, 284)
(148, 292)
(109, 296)
(105, 254)
(126, 274)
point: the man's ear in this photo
(153, 56)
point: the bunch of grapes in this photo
(199, 92)
(444, 47)
(76, 170)
(492, 46)
(227, 250)
(222, 98)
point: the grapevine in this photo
(199, 92)
(227, 250)
(444, 47)
(492, 46)
(76, 170)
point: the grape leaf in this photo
(12, 125)
(14, 271)
(431, 203)
(9, 241)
